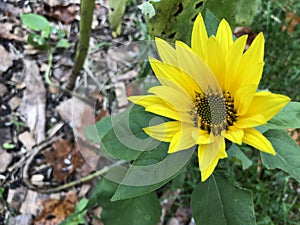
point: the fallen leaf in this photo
(3, 90)
(27, 139)
(6, 59)
(80, 115)
(55, 211)
(14, 103)
(65, 159)
(5, 33)
(5, 160)
(33, 104)
(56, 158)
(291, 20)
(66, 14)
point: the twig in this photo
(33, 152)
(80, 181)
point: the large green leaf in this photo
(217, 201)
(287, 153)
(122, 135)
(174, 19)
(288, 117)
(151, 170)
(143, 210)
(235, 151)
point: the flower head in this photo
(209, 92)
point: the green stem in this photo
(85, 26)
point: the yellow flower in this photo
(209, 92)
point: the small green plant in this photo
(42, 30)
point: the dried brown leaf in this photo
(55, 211)
(56, 158)
(291, 20)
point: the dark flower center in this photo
(214, 111)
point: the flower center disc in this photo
(214, 111)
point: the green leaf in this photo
(37, 41)
(288, 117)
(174, 19)
(236, 12)
(287, 153)
(151, 170)
(235, 151)
(122, 136)
(115, 14)
(35, 22)
(217, 201)
(211, 23)
(91, 133)
(143, 210)
(63, 43)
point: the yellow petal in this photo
(195, 67)
(224, 35)
(233, 59)
(201, 137)
(243, 98)
(208, 156)
(171, 113)
(176, 98)
(207, 153)
(267, 104)
(255, 53)
(171, 76)
(222, 153)
(234, 134)
(166, 51)
(257, 140)
(250, 121)
(205, 174)
(145, 100)
(156, 105)
(165, 131)
(199, 37)
(182, 140)
(216, 60)
(251, 65)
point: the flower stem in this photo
(86, 18)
